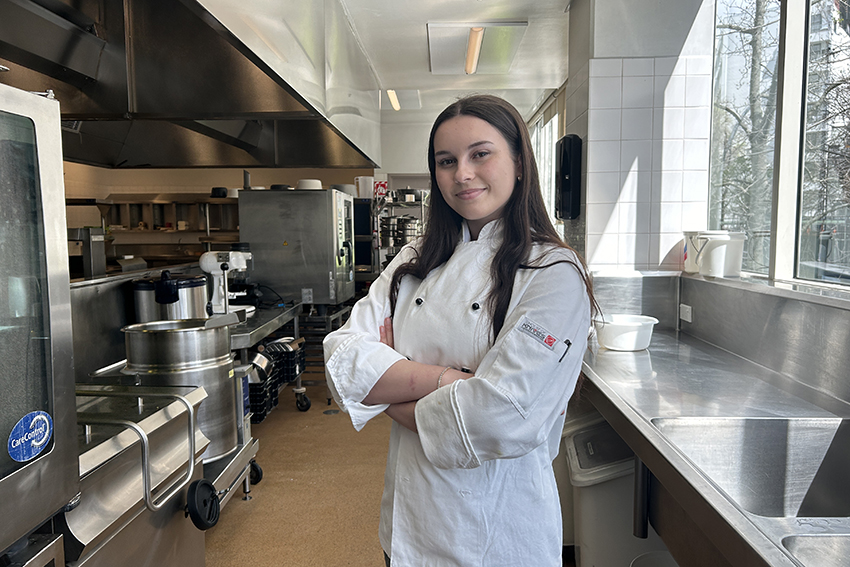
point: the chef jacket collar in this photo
(491, 231)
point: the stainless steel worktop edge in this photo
(729, 528)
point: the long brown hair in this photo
(525, 220)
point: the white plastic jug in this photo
(721, 253)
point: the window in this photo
(809, 191)
(823, 247)
(744, 124)
(544, 135)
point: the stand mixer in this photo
(218, 265)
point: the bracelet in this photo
(440, 379)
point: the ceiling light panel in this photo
(408, 99)
(447, 45)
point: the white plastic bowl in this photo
(313, 184)
(625, 332)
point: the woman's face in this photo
(475, 169)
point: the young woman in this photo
(471, 341)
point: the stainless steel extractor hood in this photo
(160, 83)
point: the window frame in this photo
(789, 144)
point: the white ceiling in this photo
(393, 33)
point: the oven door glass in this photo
(25, 422)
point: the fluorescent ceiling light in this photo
(407, 99)
(473, 50)
(449, 45)
(393, 99)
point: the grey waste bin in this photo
(602, 474)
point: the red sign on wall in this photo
(380, 189)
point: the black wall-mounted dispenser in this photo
(568, 177)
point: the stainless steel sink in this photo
(816, 550)
(772, 467)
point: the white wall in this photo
(645, 121)
(652, 28)
(404, 148)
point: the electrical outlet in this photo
(686, 313)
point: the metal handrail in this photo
(147, 481)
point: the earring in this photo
(519, 177)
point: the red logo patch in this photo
(550, 340)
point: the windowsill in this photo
(810, 292)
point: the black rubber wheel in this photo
(202, 504)
(302, 402)
(256, 474)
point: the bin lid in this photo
(596, 454)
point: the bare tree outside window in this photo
(744, 124)
(824, 239)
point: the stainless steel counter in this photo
(263, 323)
(739, 447)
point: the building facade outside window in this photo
(744, 124)
(745, 99)
(824, 231)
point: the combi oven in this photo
(39, 470)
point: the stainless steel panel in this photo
(774, 467)
(191, 304)
(112, 504)
(748, 455)
(287, 37)
(50, 40)
(150, 539)
(352, 90)
(41, 551)
(302, 242)
(654, 294)
(788, 333)
(51, 479)
(812, 551)
(183, 353)
(240, 112)
(99, 309)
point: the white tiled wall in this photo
(647, 146)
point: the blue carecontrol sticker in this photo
(30, 435)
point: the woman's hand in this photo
(386, 332)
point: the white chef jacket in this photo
(475, 486)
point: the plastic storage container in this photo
(580, 414)
(602, 473)
(620, 331)
(721, 254)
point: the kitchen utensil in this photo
(721, 254)
(188, 352)
(620, 331)
(365, 186)
(170, 297)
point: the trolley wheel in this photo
(256, 473)
(202, 504)
(302, 402)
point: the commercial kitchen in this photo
(195, 192)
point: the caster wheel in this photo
(202, 504)
(256, 474)
(302, 402)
